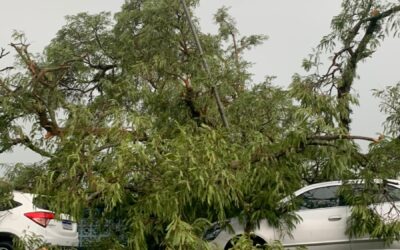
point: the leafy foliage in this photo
(125, 117)
(6, 194)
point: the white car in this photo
(27, 222)
(323, 224)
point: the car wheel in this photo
(6, 245)
(258, 242)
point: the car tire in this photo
(258, 242)
(6, 245)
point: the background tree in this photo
(126, 119)
(356, 34)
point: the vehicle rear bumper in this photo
(63, 242)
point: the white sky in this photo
(294, 28)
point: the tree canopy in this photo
(124, 115)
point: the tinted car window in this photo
(387, 194)
(394, 193)
(6, 196)
(9, 205)
(319, 198)
(374, 194)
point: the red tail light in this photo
(41, 218)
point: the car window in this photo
(9, 205)
(319, 198)
(6, 196)
(394, 193)
(387, 194)
(375, 194)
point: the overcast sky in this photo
(293, 27)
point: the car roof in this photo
(338, 183)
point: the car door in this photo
(323, 222)
(384, 206)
